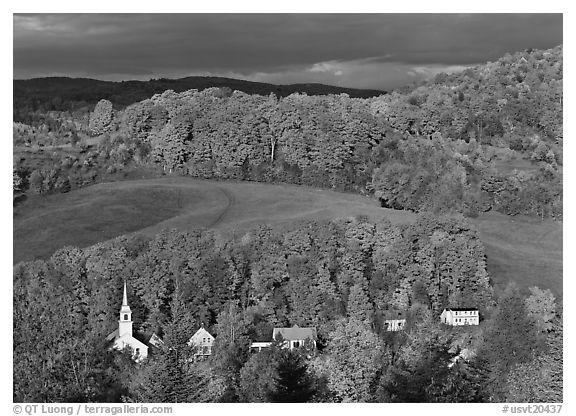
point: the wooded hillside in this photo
(341, 277)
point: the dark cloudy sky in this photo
(352, 50)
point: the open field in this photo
(525, 250)
(522, 249)
(106, 210)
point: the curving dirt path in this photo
(231, 201)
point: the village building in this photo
(123, 338)
(394, 320)
(203, 342)
(156, 342)
(257, 346)
(294, 337)
(460, 316)
(291, 338)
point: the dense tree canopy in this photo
(338, 276)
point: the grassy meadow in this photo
(519, 249)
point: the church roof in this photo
(113, 335)
(295, 333)
(130, 340)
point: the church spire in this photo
(125, 299)
(125, 322)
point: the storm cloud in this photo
(353, 50)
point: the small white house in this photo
(460, 316)
(203, 342)
(123, 338)
(394, 320)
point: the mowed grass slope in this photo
(522, 249)
(525, 250)
(107, 210)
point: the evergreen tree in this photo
(510, 339)
(294, 384)
(258, 377)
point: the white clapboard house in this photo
(460, 316)
(203, 341)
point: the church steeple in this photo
(125, 298)
(125, 322)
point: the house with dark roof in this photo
(291, 338)
(460, 316)
(294, 337)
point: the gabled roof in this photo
(198, 337)
(130, 340)
(295, 333)
(112, 335)
(393, 314)
(156, 341)
(461, 309)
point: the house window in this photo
(296, 344)
(125, 316)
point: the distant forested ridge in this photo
(438, 147)
(42, 95)
(340, 276)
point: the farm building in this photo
(460, 316)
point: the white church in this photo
(123, 338)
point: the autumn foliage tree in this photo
(101, 118)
